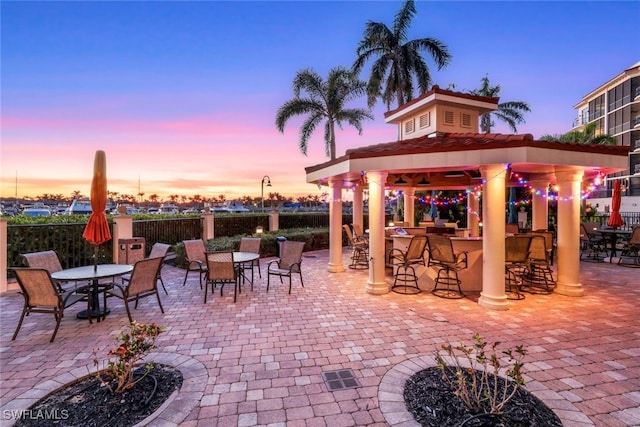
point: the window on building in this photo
(448, 118)
(465, 120)
(409, 126)
(425, 120)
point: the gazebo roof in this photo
(431, 157)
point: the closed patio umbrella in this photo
(97, 230)
(615, 220)
(513, 214)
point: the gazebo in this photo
(439, 148)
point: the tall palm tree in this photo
(324, 100)
(398, 60)
(512, 113)
(585, 136)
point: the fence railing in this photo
(629, 219)
(66, 239)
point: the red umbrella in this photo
(615, 220)
(97, 230)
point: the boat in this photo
(168, 209)
(79, 207)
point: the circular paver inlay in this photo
(394, 410)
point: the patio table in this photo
(612, 235)
(93, 273)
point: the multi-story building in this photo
(615, 109)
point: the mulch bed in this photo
(85, 403)
(432, 402)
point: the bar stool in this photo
(360, 254)
(448, 263)
(516, 267)
(539, 277)
(405, 273)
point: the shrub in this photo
(479, 384)
(132, 348)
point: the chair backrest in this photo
(45, 259)
(538, 248)
(347, 230)
(635, 236)
(357, 230)
(512, 228)
(548, 238)
(250, 244)
(291, 254)
(584, 234)
(416, 248)
(38, 287)
(591, 227)
(144, 276)
(441, 248)
(220, 266)
(159, 250)
(195, 250)
(517, 248)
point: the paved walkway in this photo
(260, 361)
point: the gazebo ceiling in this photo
(429, 159)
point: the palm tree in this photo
(398, 60)
(585, 136)
(511, 113)
(324, 100)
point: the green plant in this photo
(479, 384)
(133, 346)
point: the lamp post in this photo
(268, 182)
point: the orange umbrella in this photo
(97, 230)
(615, 220)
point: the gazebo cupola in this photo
(439, 112)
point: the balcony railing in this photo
(636, 121)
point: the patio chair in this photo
(631, 249)
(142, 283)
(46, 259)
(404, 262)
(591, 245)
(516, 265)
(288, 264)
(251, 244)
(358, 233)
(448, 264)
(549, 242)
(539, 277)
(360, 250)
(158, 250)
(42, 295)
(220, 270)
(196, 258)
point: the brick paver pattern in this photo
(264, 356)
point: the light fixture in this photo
(400, 181)
(259, 230)
(454, 174)
(267, 180)
(424, 182)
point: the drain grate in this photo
(340, 380)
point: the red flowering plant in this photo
(133, 346)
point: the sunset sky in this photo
(182, 96)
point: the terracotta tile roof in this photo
(466, 142)
(436, 90)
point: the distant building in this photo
(615, 108)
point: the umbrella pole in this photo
(95, 258)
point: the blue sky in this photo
(182, 95)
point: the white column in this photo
(335, 226)
(274, 220)
(493, 294)
(568, 234)
(540, 204)
(358, 206)
(122, 229)
(473, 207)
(409, 206)
(376, 283)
